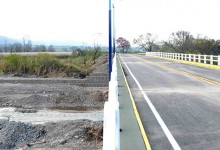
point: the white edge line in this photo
(167, 132)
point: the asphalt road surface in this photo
(178, 108)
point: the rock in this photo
(44, 141)
(62, 141)
(22, 110)
(76, 137)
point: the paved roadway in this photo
(187, 108)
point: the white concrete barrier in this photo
(111, 131)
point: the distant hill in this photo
(68, 43)
(8, 40)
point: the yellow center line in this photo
(143, 133)
(212, 82)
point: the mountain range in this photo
(8, 40)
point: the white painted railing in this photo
(111, 131)
(206, 59)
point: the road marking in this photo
(167, 132)
(185, 73)
(143, 133)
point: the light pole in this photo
(110, 39)
(114, 49)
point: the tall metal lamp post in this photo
(110, 39)
(114, 48)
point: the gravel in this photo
(62, 135)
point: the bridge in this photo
(167, 102)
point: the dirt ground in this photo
(80, 134)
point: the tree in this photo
(40, 48)
(146, 41)
(123, 44)
(205, 45)
(216, 48)
(11, 48)
(165, 47)
(18, 47)
(5, 45)
(51, 48)
(181, 41)
(28, 46)
(84, 55)
(96, 53)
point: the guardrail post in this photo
(205, 59)
(194, 58)
(199, 58)
(211, 59)
(185, 57)
(189, 57)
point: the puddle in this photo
(77, 108)
(44, 116)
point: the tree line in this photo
(25, 47)
(178, 42)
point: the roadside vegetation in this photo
(78, 65)
(178, 42)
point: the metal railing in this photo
(111, 131)
(206, 59)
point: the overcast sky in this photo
(82, 21)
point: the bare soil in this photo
(30, 98)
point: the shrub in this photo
(12, 63)
(1, 63)
(46, 64)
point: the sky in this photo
(85, 22)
